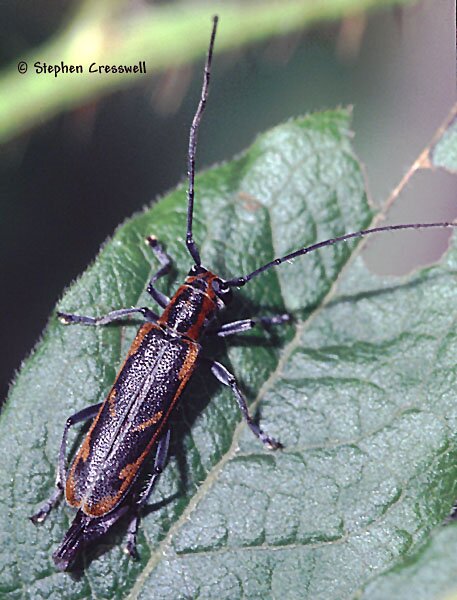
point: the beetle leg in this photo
(86, 413)
(247, 324)
(225, 377)
(114, 315)
(165, 265)
(159, 465)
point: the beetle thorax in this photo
(193, 307)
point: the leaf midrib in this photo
(213, 474)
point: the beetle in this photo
(102, 481)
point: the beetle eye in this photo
(222, 290)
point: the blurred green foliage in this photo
(164, 35)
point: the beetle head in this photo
(209, 283)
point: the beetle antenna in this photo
(191, 245)
(240, 281)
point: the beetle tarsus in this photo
(130, 550)
(273, 444)
(130, 546)
(64, 318)
(243, 325)
(42, 513)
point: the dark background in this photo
(67, 184)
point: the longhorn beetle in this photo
(134, 419)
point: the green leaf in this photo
(428, 575)
(360, 391)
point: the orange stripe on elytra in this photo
(152, 421)
(188, 363)
(70, 491)
(111, 402)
